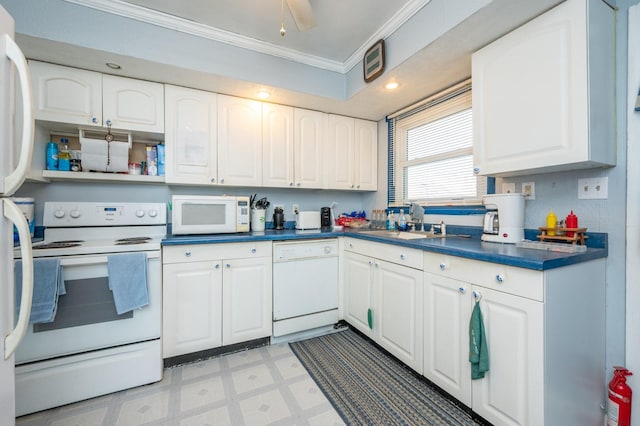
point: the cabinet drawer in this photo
(203, 252)
(395, 254)
(509, 279)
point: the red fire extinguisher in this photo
(619, 406)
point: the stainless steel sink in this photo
(403, 235)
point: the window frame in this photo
(442, 104)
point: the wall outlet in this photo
(593, 188)
(295, 208)
(508, 188)
(529, 190)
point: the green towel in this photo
(478, 350)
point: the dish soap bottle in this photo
(391, 222)
(402, 221)
(551, 223)
(64, 157)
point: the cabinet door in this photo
(277, 145)
(358, 293)
(310, 144)
(192, 307)
(133, 104)
(341, 152)
(511, 393)
(239, 141)
(399, 311)
(247, 300)
(532, 102)
(447, 309)
(366, 155)
(67, 95)
(191, 136)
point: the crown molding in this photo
(132, 11)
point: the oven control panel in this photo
(103, 214)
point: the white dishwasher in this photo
(305, 285)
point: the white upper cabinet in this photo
(366, 155)
(352, 153)
(75, 96)
(67, 95)
(191, 155)
(543, 95)
(277, 145)
(310, 136)
(239, 141)
(132, 104)
(293, 140)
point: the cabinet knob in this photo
(94, 120)
(443, 266)
(377, 265)
(461, 289)
(108, 123)
(358, 186)
(298, 184)
(477, 295)
(352, 186)
(222, 180)
(253, 250)
(187, 253)
(476, 170)
(212, 180)
(217, 266)
(499, 278)
(290, 183)
(370, 263)
(403, 257)
(228, 265)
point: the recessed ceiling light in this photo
(392, 85)
(113, 65)
(263, 94)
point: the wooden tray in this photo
(578, 235)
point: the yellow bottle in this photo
(551, 223)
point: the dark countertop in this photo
(471, 248)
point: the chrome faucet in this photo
(416, 212)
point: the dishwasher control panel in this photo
(292, 250)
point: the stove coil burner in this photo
(132, 240)
(59, 244)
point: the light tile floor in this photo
(263, 386)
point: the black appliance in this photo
(278, 218)
(325, 217)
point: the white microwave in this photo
(196, 214)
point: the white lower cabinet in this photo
(383, 297)
(215, 295)
(192, 307)
(545, 337)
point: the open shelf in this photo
(56, 175)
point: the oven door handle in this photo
(15, 215)
(96, 260)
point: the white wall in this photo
(633, 210)
(129, 192)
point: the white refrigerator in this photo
(16, 144)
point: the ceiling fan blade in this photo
(302, 14)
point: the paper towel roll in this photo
(118, 157)
(94, 154)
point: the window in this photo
(431, 151)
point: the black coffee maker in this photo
(278, 218)
(325, 217)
